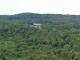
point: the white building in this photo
(36, 24)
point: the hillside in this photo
(31, 17)
(58, 38)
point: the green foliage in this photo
(58, 38)
(3, 58)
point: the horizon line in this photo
(38, 13)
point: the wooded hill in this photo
(58, 38)
(31, 17)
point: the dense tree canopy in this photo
(57, 39)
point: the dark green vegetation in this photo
(59, 38)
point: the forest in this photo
(58, 38)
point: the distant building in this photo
(35, 24)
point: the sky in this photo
(11, 7)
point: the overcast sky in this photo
(11, 7)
